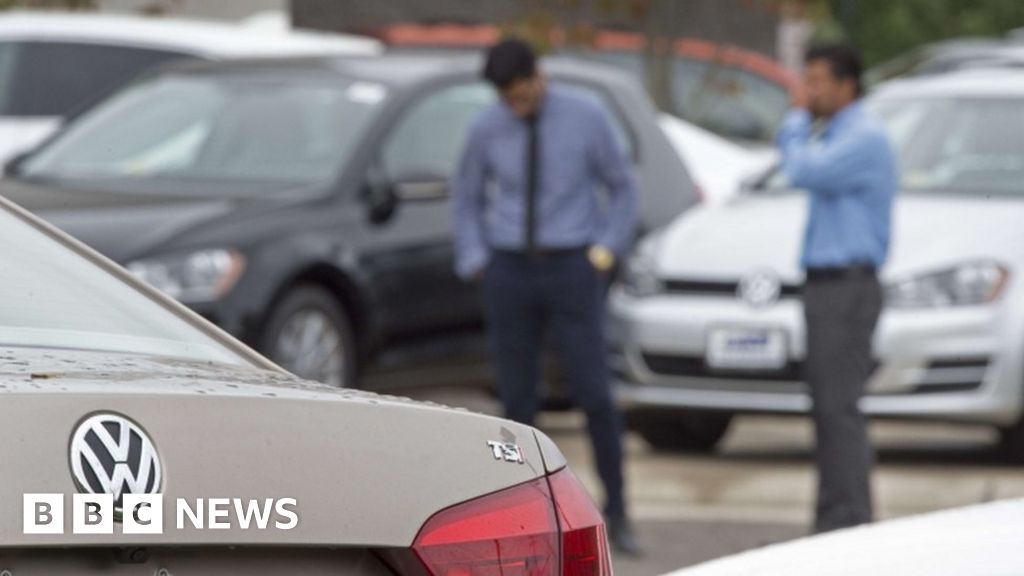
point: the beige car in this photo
(139, 439)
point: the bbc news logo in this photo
(144, 514)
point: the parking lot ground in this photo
(758, 489)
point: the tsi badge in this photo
(118, 473)
(507, 452)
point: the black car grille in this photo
(722, 289)
(959, 374)
(942, 375)
(695, 367)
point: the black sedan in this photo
(302, 205)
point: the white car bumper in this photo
(948, 364)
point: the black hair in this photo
(843, 59)
(509, 61)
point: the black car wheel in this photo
(309, 334)
(679, 430)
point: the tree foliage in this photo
(883, 29)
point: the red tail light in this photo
(584, 541)
(547, 527)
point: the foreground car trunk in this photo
(367, 472)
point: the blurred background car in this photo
(935, 58)
(380, 485)
(733, 92)
(719, 166)
(951, 55)
(707, 322)
(302, 205)
(52, 65)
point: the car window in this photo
(960, 145)
(727, 100)
(56, 78)
(52, 297)
(8, 53)
(230, 128)
(724, 99)
(949, 145)
(430, 137)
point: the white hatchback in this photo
(708, 322)
(53, 64)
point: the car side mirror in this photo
(13, 166)
(749, 184)
(759, 178)
(381, 203)
(383, 194)
(380, 198)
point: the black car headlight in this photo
(202, 276)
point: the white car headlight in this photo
(202, 276)
(965, 285)
(640, 278)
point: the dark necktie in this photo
(532, 183)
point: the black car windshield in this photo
(53, 297)
(966, 146)
(226, 128)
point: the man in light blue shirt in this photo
(544, 204)
(842, 157)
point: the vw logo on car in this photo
(760, 289)
(110, 454)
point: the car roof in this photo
(214, 40)
(406, 69)
(994, 82)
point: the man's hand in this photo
(601, 258)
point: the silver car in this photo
(137, 438)
(708, 322)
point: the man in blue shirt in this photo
(544, 204)
(842, 157)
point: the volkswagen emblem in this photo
(111, 454)
(760, 289)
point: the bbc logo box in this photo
(92, 514)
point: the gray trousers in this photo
(842, 310)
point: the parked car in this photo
(303, 205)
(983, 540)
(53, 64)
(708, 322)
(733, 92)
(935, 58)
(113, 389)
(720, 167)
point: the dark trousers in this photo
(560, 295)
(842, 311)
